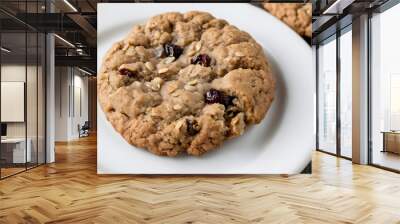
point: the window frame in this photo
(381, 9)
(334, 37)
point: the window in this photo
(327, 96)
(334, 138)
(346, 93)
(394, 102)
(385, 88)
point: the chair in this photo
(84, 130)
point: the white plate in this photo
(282, 143)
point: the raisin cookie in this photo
(295, 15)
(184, 83)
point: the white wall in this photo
(71, 102)
(14, 72)
(34, 125)
(61, 103)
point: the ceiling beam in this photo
(337, 7)
(78, 61)
(49, 22)
(84, 24)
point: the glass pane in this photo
(346, 94)
(22, 90)
(327, 97)
(41, 98)
(13, 87)
(386, 88)
(31, 98)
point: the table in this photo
(391, 141)
(13, 150)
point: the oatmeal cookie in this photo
(184, 83)
(295, 15)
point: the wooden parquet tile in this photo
(70, 191)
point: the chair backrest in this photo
(86, 124)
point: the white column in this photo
(50, 92)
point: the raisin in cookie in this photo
(184, 83)
(295, 15)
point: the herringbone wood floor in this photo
(69, 191)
